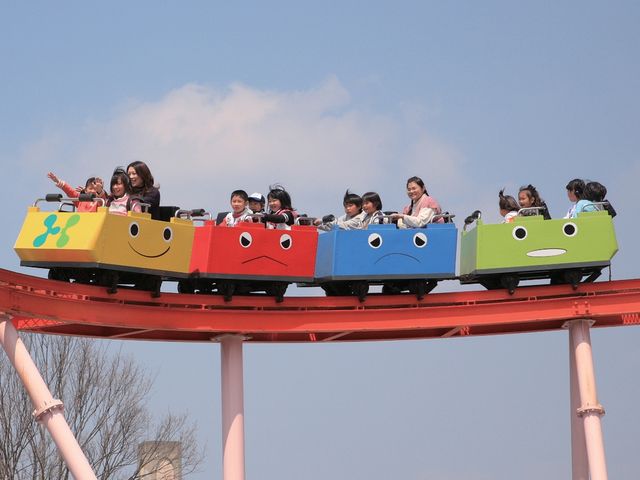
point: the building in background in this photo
(160, 460)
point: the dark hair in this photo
(143, 172)
(419, 181)
(240, 193)
(577, 187)
(119, 174)
(595, 191)
(533, 193)
(507, 202)
(353, 199)
(374, 198)
(278, 192)
(90, 181)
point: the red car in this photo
(249, 258)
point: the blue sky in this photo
(324, 96)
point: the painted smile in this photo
(148, 256)
(546, 252)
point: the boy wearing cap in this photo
(256, 202)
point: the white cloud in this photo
(202, 142)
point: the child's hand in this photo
(80, 189)
(53, 177)
(99, 185)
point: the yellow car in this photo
(92, 247)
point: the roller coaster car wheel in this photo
(226, 289)
(84, 276)
(186, 286)
(510, 282)
(151, 284)
(335, 289)
(491, 283)
(59, 274)
(204, 286)
(329, 289)
(572, 277)
(391, 288)
(420, 287)
(360, 290)
(277, 290)
(109, 279)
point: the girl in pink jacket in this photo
(92, 185)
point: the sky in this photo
(324, 96)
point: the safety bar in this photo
(600, 205)
(527, 210)
(189, 214)
(256, 217)
(58, 198)
(445, 215)
(305, 220)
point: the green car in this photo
(564, 250)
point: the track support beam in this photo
(48, 411)
(587, 444)
(232, 406)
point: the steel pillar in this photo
(232, 407)
(586, 441)
(579, 460)
(48, 411)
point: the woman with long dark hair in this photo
(142, 186)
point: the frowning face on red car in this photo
(252, 251)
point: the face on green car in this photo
(532, 241)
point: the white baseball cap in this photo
(257, 197)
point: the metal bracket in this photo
(597, 409)
(48, 407)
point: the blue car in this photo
(348, 261)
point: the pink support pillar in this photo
(579, 460)
(232, 407)
(47, 410)
(590, 410)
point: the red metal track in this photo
(48, 306)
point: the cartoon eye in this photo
(285, 241)
(134, 229)
(519, 233)
(570, 229)
(420, 240)
(167, 234)
(375, 240)
(245, 239)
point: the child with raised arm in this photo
(93, 185)
(240, 211)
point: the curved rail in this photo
(48, 306)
